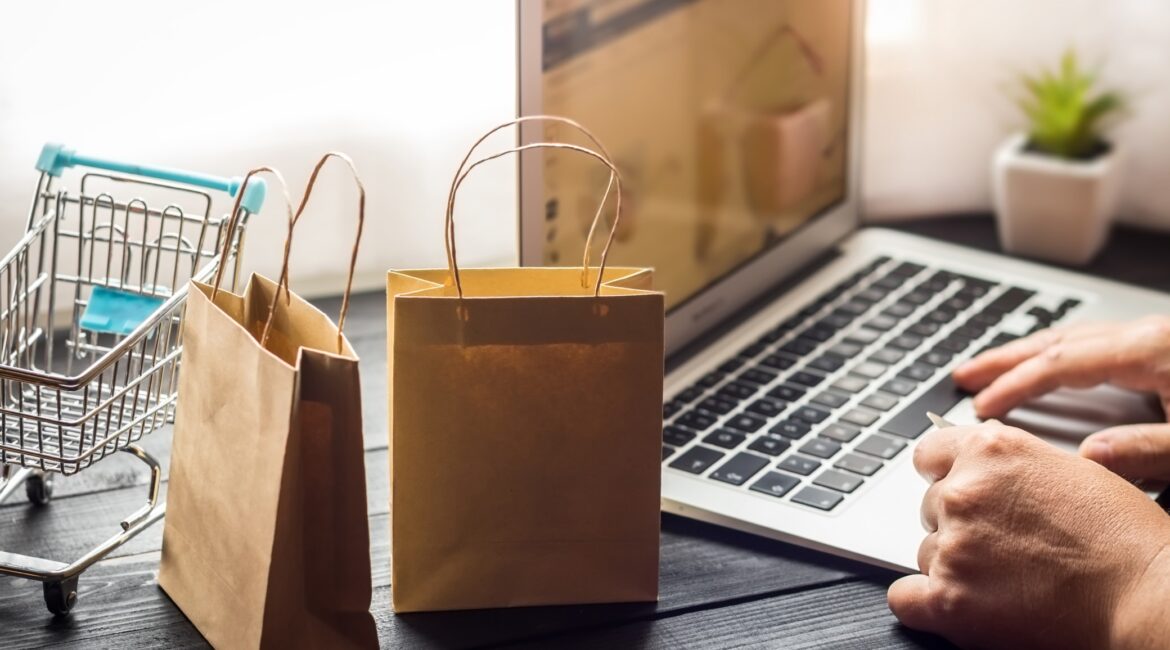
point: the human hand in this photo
(1031, 547)
(1134, 355)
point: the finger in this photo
(936, 451)
(927, 551)
(976, 374)
(910, 600)
(1133, 451)
(1076, 364)
(930, 507)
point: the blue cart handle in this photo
(56, 158)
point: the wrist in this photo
(1141, 620)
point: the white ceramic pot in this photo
(1051, 208)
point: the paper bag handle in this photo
(614, 178)
(234, 219)
(293, 219)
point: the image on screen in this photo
(727, 119)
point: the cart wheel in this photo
(39, 489)
(60, 597)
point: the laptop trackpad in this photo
(1067, 416)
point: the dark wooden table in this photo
(719, 588)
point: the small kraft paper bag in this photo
(525, 427)
(266, 542)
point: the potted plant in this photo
(1055, 188)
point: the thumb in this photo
(910, 600)
(1133, 451)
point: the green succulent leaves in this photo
(1066, 116)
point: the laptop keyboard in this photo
(818, 405)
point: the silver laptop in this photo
(736, 125)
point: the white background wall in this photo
(404, 86)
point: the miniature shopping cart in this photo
(91, 309)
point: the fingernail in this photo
(1098, 449)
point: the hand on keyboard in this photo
(1031, 547)
(1133, 355)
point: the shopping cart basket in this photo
(91, 309)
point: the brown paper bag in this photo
(525, 426)
(266, 542)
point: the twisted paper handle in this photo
(614, 178)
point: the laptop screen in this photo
(727, 119)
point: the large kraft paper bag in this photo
(525, 434)
(266, 542)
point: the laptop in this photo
(805, 350)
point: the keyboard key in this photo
(731, 365)
(954, 343)
(899, 310)
(799, 347)
(746, 422)
(667, 451)
(881, 323)
(811, 414)
(767, 408)
(787, 392)
(936, 358)
(671, 407)
(869, 370)
(889, 282)
(917, 372)
(711, 379)
(880, 401)
(717, 405)
(860, 417)
(827, 363)
(820, 447)
(772, 337)
(815, 497)
(917, 297)
(689, 395)
(737, 390)
(911, 421)
(696, 460)
(810, 379)
(818, 333)
(881, 446)
(871, 295)
(799, 465)
(839, 481)
(863, 336)
(957, 303)
(845, 350)
(987, 318)
(739, 469)
(696, 420)
(677, 436)
(970, 330)
(835, 321)
(793, 429)
(941, 316)
(850, 384)
(768, 444)
(725, 438)
(831, 400)
(752, 351)
(858, 464)
(887, 356)
(854, 307)
(840, 432)
(907, 269)
(900, 387)
(1010, 300)
(775, 484)
(924, 328)
(778, 361)
(758, 376)
(906, 342)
